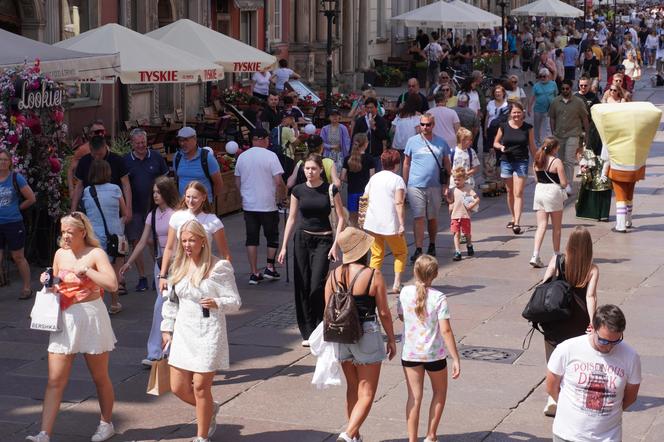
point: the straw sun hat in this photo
(354, 244)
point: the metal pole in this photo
(328, 80)
(503, 63)
(615, 12)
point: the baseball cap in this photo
(186, 132)
(620, 67)
(259, 133)
(335, 111)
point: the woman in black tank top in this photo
(549, 197)
(361, 362)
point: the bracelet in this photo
(163, 277)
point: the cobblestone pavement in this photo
(267, 395)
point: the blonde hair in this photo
(459, 172)
(463, 134)
(425, 271)
(81, 222)
(182, 262)
(355, 160)
(206, 206)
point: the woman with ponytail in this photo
(549, 198)
(357, 169)
(426, 319)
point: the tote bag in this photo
(45, 314)
(159, 382)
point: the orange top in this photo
(74, 289)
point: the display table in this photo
(229, 201)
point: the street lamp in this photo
(330, 9)
(503, 64)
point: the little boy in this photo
(463, 200)
(464, 156)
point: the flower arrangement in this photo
(343, 101)
(389, 76)
(307, 101)
(235, 96)
(32, 129)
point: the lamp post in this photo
(503, 64)
(330, 9)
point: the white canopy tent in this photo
(144, 60)
(213, 46)
(449, 14)
(547, 8)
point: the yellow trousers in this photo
(398, 246)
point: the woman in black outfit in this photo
(577, 268)
(516, 142)
(314, 245)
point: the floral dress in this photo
(200, 344)
(594, 200)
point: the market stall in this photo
(547, 8)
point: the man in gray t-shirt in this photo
(467, 117)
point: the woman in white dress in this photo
(195, 205)
(84, 272)
(201, 290)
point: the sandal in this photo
(394, 290)
(122, 289)
(25, 294)
(510, 225)
(516, 229)
(115, 309)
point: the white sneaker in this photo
(536, 262)
(105, 431)
(147, 362)
(430, 440)
(213, 421)
(550, 408)
(200, 439)
(305, 343)
(41, 437)
(343, 437)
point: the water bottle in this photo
(48, 283)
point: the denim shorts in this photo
(12, 235)
(353, 202)
(370, 349)
(507, 168)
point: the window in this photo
(380, 22)
(276, 21)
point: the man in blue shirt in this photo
(424, 154)
(144, 166)
(570, 59)
(188, 165)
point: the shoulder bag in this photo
(551, 301)
(442, 174)
(116, 245)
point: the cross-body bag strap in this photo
(547, 173)
(93, 194)
(155, 238)
(431, 150)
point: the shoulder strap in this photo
(560, 266)
(155, 238)
(93, 194)
(352, 284)
(426, 142)
(373, 271)
(15, 183)
(206, 167)
(335, 283)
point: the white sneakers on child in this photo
(105, 431)
(41, 437)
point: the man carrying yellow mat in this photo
(627, 131)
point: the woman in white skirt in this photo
(549, 198)
(85, 327)
(201, 290)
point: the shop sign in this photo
(41, 98)
(246, 66)
(158, 76)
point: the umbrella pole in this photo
(184, 105)
(113, 110)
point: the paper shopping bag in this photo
(45, 313)
(160, 379)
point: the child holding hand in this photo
(426, 320)
(464, 156)
(462, 201)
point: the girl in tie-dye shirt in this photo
(426, 319)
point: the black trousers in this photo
(310, 272)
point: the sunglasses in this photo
(565, 89)
(541, 76)
(426, 124)
(583, 85)
(602, 341)
(445, 89)
(99, 132)
(614, 90)
(76, 215)
(514, 81)
(444, 78)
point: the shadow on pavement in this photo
(257, 374)
(482, 435)
(451, 290)
(646, 403)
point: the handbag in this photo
(442, 172)
(551, 301)
(116, 245)
(159, 381)
(45, 314)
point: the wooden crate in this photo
(229, 201)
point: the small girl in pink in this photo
(426, 319)
(462, 201)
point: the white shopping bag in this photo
(45, 313)
(328, 369)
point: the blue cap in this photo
(186, 132)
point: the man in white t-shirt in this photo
(282, 74)
(447, 120)
(258, 176)
(593, 378)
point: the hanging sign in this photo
(40, 98)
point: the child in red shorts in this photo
(462, 201)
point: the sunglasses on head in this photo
(602, 341)
(426, 124)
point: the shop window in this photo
(276, 21)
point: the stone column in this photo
(302, 18)
(363, 36)
(321, 25)
(52, 11)
(348, 37)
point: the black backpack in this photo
(204, 166)
(527, 51)
(552, 300)
(341, 318)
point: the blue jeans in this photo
(154, 340)
(378, 166)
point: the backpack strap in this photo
(373, 271)
(93, 194)
(176, 165)
(155, 238)
(560, 266)
(206, 168)
(335, 283)
(352, 284)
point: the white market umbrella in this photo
(610, 2)
(547, 8)
(144, 60)
(449, 14)
(59, 64)
(213, 46)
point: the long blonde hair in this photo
(359, 144)
(426, 270)
(579, 257)
(206, 206)
(80, 221)
(181, 264)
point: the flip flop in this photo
(25, 294)
(510, 225)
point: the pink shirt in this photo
(161, 226)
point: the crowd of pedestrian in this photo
(346, 200)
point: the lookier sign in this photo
(41, 98)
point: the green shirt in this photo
(568, 116)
